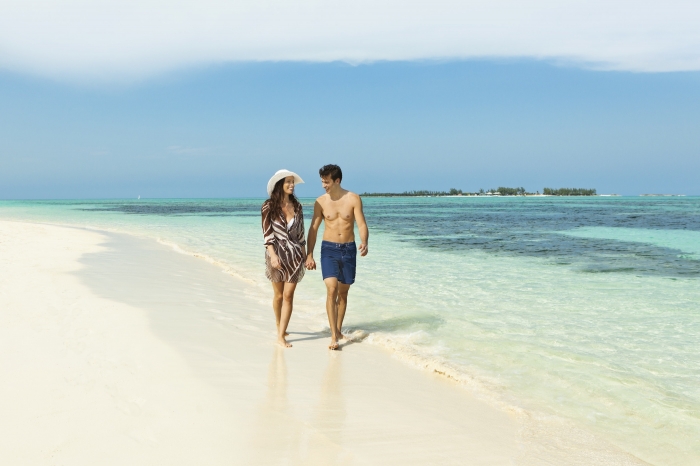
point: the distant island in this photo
(501, 191)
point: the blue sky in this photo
(208, 98)
(223, 130)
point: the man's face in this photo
(328, 183)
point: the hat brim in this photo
(281, 174)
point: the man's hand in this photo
(363, 249)
(310, 262)
(275, 261)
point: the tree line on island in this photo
(501, 191)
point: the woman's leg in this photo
(286, 313)
(278, 289)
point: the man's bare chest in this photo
(333, 212)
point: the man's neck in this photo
(336, 192)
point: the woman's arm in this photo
(269, 235)
(302, 240)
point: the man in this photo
(340, 209)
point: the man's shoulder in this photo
(353, 197)
(322, 199)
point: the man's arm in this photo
(362, 227)
(313, 231)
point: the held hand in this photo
(364, 249)
(275, 261)
(310, 263)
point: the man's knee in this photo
(343, 291)
(332, 290)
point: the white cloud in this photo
(118, 39)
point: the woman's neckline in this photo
(284, 214)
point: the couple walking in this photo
(286, 256)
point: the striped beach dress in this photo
(288, 242)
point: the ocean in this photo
(576, 312)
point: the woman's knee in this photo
(277, 290)
(288, 295)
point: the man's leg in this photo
(332, 309)
(342, 306)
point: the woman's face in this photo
(288, 186)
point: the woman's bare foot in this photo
(283, 343)
(334, 345)
(341, 336)
(286, 334)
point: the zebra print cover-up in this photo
(287, 242)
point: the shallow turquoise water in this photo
(586, 309)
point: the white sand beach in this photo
(117, 350)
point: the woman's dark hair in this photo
(277, 196)
(333, 171)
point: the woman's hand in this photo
(275, 261)
(310, 262)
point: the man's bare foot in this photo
(283, 343)
(334, 345)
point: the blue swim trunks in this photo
(338, 260)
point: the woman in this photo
(285, 246)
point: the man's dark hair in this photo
(333, 171)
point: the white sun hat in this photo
(280, 175)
